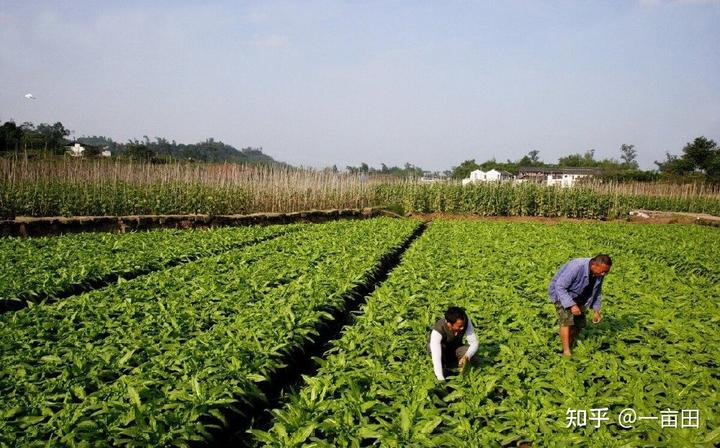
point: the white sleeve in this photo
(436, 352)
(472, 340)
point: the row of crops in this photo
(505, 199)
(656, 351)
(172, 357)
(36, 269)
(160, 359)
(56, 198)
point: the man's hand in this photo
(576, 310)
(596, 317)
(461, 362)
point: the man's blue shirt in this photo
(570, 281)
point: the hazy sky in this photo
(322, 83)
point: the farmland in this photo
(173, 356)
(656, 350)
(97, 187)
(46, 268)
(154, 360)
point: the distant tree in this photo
(589, 155)
(700, 152)
(586, 160)
(30, 138)
(53, 137)
(701, 157)
(629, 156)
(534, 156)
(674, 165)
(530, 160)
(463, 170)
(408, 170)
(10, 137)
(712, 170)
(571, 160)
(136, 150)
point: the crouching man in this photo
(446, 342)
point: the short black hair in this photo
(602, 259)
(454, 313)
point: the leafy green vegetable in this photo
(35, 269)
(154, 361)
(657, 348)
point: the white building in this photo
(432, 177)
(487, 176)
(75, 150)
(562, 177)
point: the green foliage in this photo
(51, 198)
(527, 199)
(45, 137)
(209, 150)
(700, 157)
(55, 198)
(158, 360)
(409, 170)
(609, 167)
(138, 151)
(10, 137)
(35, 269)
(463, 170)
(629, 156)
(657, 347)
(586, 160)
(52, 139)
(629, 175)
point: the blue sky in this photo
(323, 83)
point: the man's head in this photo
(456, 319)
(600, 265)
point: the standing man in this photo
(576, 286)
(446, 341)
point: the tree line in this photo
(408, 170)
(50, 138)
(699, 161)
(46, 139)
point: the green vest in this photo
(449, 340)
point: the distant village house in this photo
(77, 149)
(555, 176)
(431, 177)
(487, 176)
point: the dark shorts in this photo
(568, 319)
(451, 357)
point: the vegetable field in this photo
(656, 350)
(47, 268)
(103, 187)
(170, 356)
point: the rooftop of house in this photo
(558, 170)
